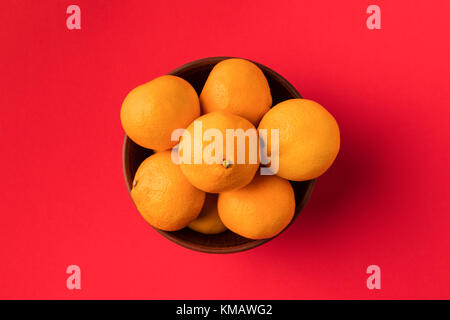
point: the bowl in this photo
(196, 73)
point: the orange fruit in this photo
(259, 210)
(153, 110)
(309, 138)
(237, 86)
(208, 222)
(226, 172)
(163, 195)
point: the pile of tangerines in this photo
(211, 197)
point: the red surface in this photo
(385, 201)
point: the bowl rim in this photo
(252, 243)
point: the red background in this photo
(385, 201)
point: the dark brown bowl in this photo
(196, 73)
